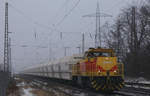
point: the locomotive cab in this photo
(99, 62)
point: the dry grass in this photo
(26, 87)
(42, 93)
(12, 88)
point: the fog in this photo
(36, 26)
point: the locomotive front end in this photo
(109, 74)
(100, 70)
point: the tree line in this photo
(129, 36)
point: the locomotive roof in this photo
(100, 50)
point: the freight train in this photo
(97, 68)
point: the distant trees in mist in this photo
(130, 37)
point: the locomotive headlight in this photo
(99, 72)
(115, 71)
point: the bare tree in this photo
(130, 37)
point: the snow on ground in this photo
(143, 80)
(137, 80)
(136, 86)
(27, 92)
(27, 88)
(21, 84)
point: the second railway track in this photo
(75, 91)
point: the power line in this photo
(30, 18)
(145, 2)
(42, 25)
(116, 5)
(98, 15)
(140, 2)
(127, 2)
(63, 5)
(68, 13)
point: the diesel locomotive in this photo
(100, 70)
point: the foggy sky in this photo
(27, 17)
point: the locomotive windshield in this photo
(99, 54)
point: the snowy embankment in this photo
(138, 83)
(137, 80)
(27, 92)
(29, 88)
(25, 89)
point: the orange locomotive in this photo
(99, 69)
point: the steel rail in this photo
(68, 89)
(43, 85)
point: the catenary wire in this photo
(68, 13)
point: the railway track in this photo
(136, 92)
(135, 89)
(75, 91)
(138, 89)
(65, 89)
(47, 86)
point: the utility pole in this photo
(49, 51)
(133, 35)
(10, 63)
(98, 15)
(4, 76)
(6, 54)
(98, 25)
(79, 49)
(134, 40)
(132, 29)
(66, 50)
(119, 41)
(83, 42)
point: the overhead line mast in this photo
(98, 15)
(6, 49)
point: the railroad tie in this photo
(93, 82)
(98, 88)
(94, 86)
